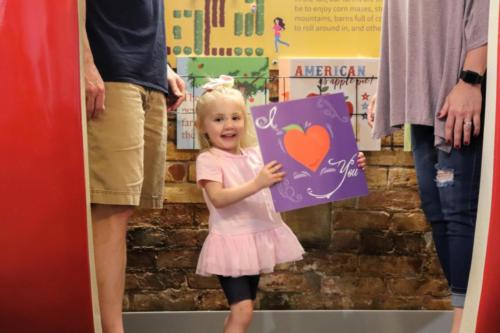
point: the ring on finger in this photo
(467, 124)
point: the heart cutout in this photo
(309, 148)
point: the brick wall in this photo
(375, 252)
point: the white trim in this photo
(484, 207)
(93, 281)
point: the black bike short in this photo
(240, 288)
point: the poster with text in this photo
(250, 77)
(273, 29)
(356, 78)
(313, 139)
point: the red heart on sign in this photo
(309, 148)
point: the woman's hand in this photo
(361, 161)
(462, 110)
(269, 175)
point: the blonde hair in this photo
(207, 101)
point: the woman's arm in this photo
(222, 197)
(462, 107)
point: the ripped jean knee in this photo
(444, 176)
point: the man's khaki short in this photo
(127, 147)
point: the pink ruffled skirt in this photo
(248, 254)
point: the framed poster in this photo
(250, 77)
(356, 78)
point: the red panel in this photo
(44, 266)
(488, 320)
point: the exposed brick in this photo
(145, 217)
(363, 303)
(328, 263)
(386, 141)
(318, 301)
(353, 219)
(432, 267)
(376, 177)
(398, 138)
(389, 266)
(196, 281)
(311, 225)
(154, 281)
(402, 177)
(345, 241)
(185, 238)
(174, 154)
(177, 215)
(376, 242)
(183, 193)
(434, 287)
(192, 172)
(177, 259)
(338, 286)
(404, 286)
(347, 203)
(409, 244)
(284, 282)
(145, 237)
(432, 303)
(369, 287)
(390, 158)
(172, 130)
(400, 303)
(141, 259)
(168, 300)
(175, 172)
(410, 222)
(201, 215)
(211, 300)
(391, 200)
(274, 300)
(289, 266)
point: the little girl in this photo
(246, 236)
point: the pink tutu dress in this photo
(248, 237)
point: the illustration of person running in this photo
(279, 25)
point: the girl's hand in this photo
(361, 161)
(269, 175)
(462, 110)
(372, 110)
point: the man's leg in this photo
(109, 224)
(116, 152)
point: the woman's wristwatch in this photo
(471, 77)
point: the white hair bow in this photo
(225, 81)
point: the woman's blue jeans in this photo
(449, 191)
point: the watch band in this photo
(471, 77)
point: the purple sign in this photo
(313, 139)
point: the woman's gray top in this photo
(424, 44)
